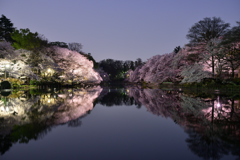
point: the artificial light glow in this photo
(218, 105)
(49, 70)
(7, 65)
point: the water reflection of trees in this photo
(117, 97)
(211, 123)
(207, 147)
(33, 116)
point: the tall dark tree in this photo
(138, 62)
(126, 65)
(177, 49)
(207, 29)
(132, 67)
(6, 28)
(233, 35)
(201, 33)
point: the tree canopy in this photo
(75, 46)
(207, 29)
(6, 28)
(117, 68)
(233, 35)
(24, 39)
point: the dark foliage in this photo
(116, 68)
(207, 29)
(177, 49)
(59, 44)
(6, 28)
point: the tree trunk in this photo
(232, 70)
(213, 67)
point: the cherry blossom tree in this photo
(75, 66)
(16, 69)
(161, 68)
(214, 57)
(60, 61)
(6, 50)
(194, 73)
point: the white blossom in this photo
(194, 73)
(76, 67)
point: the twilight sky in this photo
(118, 29)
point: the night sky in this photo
(118, 29)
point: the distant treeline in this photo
(117, 69)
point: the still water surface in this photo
(125, 123)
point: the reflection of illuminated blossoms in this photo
(6, 107)
(76, 104)
(219, 110)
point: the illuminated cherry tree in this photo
(6, 50)
(67, 64)
(16, 69)
(161, 68)
(171, 67)
(75, 66)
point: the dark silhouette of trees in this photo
(118, 98)
(177, 49)
(59, 44)
(117, 69)
(128, 65)
(207, 29)
(138, 62)
(112, 67)
(233, 35)
(6, 28)
(75, 46)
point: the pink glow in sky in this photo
(118, 29)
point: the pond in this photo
(119, 123)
